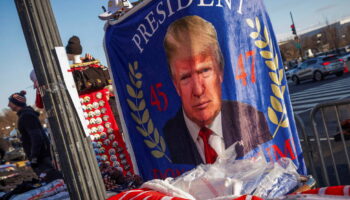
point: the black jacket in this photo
(35, 142)
(240, 122)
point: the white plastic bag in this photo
(228, 178)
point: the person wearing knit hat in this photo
(74, 49)
(17, 101)
(35, 142)
(73, 46)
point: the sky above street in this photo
(79, 17)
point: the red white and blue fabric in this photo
(319, 193)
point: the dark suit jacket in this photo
(240, 122)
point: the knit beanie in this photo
(73, 46)
(19, 99)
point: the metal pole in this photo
(79, 168)
(298, 39)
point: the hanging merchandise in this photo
(107, 141)
(90, 77)
(226, 85)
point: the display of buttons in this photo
(97, 112)
(86, 99)
(103, 135)
(127, 167)
(93, 130)
(116, 164)
(119, 149)
(105, 118)
(105, 139)
(97, 136)
(120, 169)
(104, 157)
(93, 121)
(115, 144)
(91, 114)
(110, 130)
(99, 144)
(111, 137)
(89, 106)
(101, 103)
(108, 125)
(111, 151)
(124, 162)
(106, 142)
(113, 158)
(94, 144)
(99, 95)
(98, 157)
(95, 105)
(100, 128)
(98, 120)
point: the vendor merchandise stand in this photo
(108, 143)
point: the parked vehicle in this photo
(346, 57)
(289, 73)
(318, 68)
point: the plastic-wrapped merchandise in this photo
(210, 181)
(230, 177)
(206, 183)
(225, 177)
(278, 180)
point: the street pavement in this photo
(304, 97)
(309, 93)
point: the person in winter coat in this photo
(35, 143)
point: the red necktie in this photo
(210, 153)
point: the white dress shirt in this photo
(216, 140)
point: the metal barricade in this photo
(305, 142)
(332, 161)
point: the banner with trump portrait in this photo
(194, 77)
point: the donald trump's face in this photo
(197, 79)
(196, 65)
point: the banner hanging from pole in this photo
(194, 77)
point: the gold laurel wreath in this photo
(141, 114)
(263, 42)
